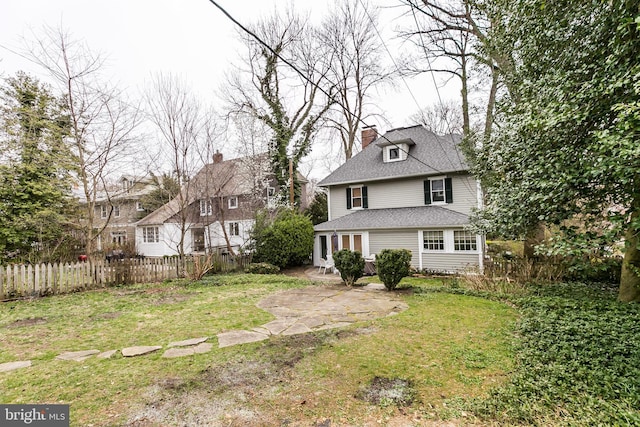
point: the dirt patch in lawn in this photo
(27, 322)
(229, 394)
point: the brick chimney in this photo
(369, 134)
(217, 157)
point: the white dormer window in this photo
(139, 206)
(395, 152)
(233, 202)
(205, 208)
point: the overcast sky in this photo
(187, 37)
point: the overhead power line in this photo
(284, 60)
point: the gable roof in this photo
(227, 178)
(429, 154)
(414, 217)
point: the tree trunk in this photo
(630, 277)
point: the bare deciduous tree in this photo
(102, 122)
(452, 39)
(355, 66)
(290, 104)
(442, 118)
(177, 116)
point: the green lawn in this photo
(448, 348)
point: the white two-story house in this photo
(411, 189)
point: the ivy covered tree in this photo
(566, 148)
(35, 169)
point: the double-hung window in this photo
(438, 190)
(104, 212)
(150, 235)
(464, 241)
(116, 211)
(234, 229)
(357, 197)
(433, 240)
(233, 202)
(205, 208)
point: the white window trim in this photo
(444, 190)
(467, 251)
(205, 207)
(235, 204)
(116, 211)
(364, 239)
(352, 187)
(103, 212)
(139, 206)
(155, 234)
(233, 226)
(449, 242)
(434, 251)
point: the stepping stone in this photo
(107, 354)
(187, 343)
(140, 350)
(277, 326)
(187, 351)
(77, 356)
(205, 347)
(297, 328)
(226, 339)
(11, 366)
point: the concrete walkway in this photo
(297, 311)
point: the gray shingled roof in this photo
(431, 155)
(415, 217)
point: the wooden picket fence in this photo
(20, 280)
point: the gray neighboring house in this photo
(409, 188)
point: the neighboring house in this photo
(407, 189)
(117, 210)
(215, 211)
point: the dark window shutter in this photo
(365, 197)
(348, 198)
(448, 190)
(427, 192)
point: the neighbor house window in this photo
(433, 240)
(139, 206)
(394, 153)
(103, 211)
(234, 229)
(357, 197)
(205, 208)
(150, 235)
(119, 237)
(233, 202)
(116, 211)
(464, 241)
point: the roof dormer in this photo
(395, 151)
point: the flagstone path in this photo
(297, 311)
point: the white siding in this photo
(449, 262)
(168, 244)
(405, 193)
(402, 239)
(465, 194)
(214, 236)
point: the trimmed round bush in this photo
(350, 264)
(392, 265)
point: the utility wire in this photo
(266, 45)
